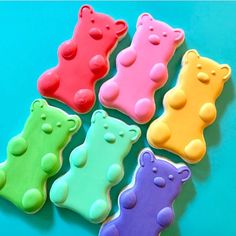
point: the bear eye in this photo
(164, 34)
(59, 124)
(121, 134)
(151, 28)
(199, 66)
(171, 177)
(107, 27)
(43, 117)
(92, 20)
(154, 170)
(105, 126)
(213, 72)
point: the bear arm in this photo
(78, 157)
(68, 50)
(127, 57)
(17, 146)
(128, 199)
(165, 217)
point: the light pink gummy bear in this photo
(142, 69)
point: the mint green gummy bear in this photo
(34, 155)
(95, 167)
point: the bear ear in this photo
(74, 123)
(134, 132)
(184, 173)
(225, 71)
(190, 55)
(146, 156)
(85, 10)
(37, 104)
(120, 27)
(99, 114)
(145, 17)
(178, 35)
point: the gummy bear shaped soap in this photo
(145, 208)
(141, 69)
(189, 108)
(83, 60)
(95, 167)
(34, 155)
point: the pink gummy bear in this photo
(83, 60)
(142, 69)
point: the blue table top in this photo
(30, 35)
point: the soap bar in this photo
(83, 60)
(95, 167)
(189, 108)
(141, 69)
(34, 155)
(145, 207)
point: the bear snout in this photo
(110, 137)
(47, 128)
(95, 33)
(160, 182)
(154, 39)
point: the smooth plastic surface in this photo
(83, 60)
(145, 208)
(189, 107)
(142, 69)
(34, 155)
(95, 167)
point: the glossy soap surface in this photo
(146, 207)
(83, 60)
(95, 167)
(142, 69)
(189, 107)
(34, 155)
(30, 36)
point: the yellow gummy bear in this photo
(189, 108)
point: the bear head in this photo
(160, 177)
(205, 72)
(54, 126)
(109, 132)
(101, 30)
(157, 36)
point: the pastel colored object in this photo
(34, 155)
(145, 208)
(83, 60)
(95, 167)
(141, 69)
(189, 108)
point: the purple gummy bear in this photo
(146, 208)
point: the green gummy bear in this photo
(95, 167)
(34, 155)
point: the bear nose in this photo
(203, 77)
(110, 137)
(95, 33)
(47, 128)
(160, 182)
(154, 39)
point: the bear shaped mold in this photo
(95, 167)
(189, 108)
(145, 207)
(141, 69)
(34, 155)
(83, 60)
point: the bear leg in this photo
(48, 83)
(144, 110)
(109, 92)
(59, 191)
(99, 211)
(109, 230)
(32, 200)
(84, 100)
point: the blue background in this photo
(30, 34)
